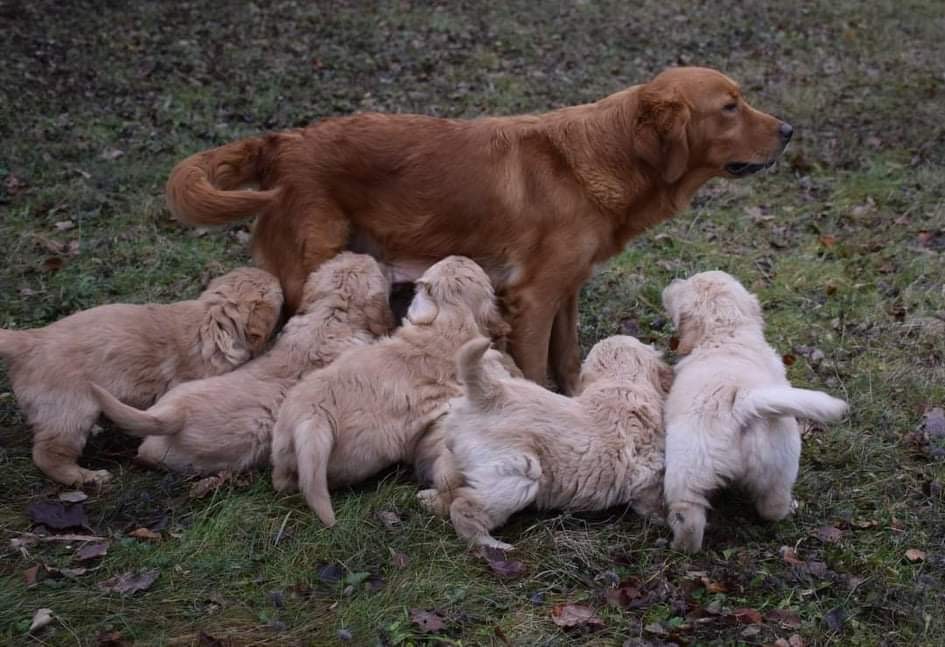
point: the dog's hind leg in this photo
(285, 475)
(58, 440)
(691, 473)
(773, 464)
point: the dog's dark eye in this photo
(730, 107)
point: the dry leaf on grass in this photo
(146, 534)
(500, 565)
(829, 535)
(75, 496)
(41, 618)
(91, 551)
(58, 515)
(428, 622)
(131, 582)
(575, 615)
(915, 555)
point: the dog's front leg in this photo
(532, 317)
(565, 353)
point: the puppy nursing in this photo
(730, 413)
(225, 422)
(372, 407)
(512, 443)
(137, 352)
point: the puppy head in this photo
(708, 302)
(627, 358)
(356, 283)
(243, 308)
(457, 282)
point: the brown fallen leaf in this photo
(747, 616)
(91, 551)
(58, 515)
(827, 240)
(789, 556)
(915, 555)
(145, 533)
(829, 535)
(112, 639)
(575, 615)
(131, 582)
(787, 618)
(31, 575)
(398, 560)
(788, 359)
(500, 565)
(52, 264)
(429, 622)
(713, 586)
(389, 518)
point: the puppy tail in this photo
(767, 402)
(314, 441)
(14, 342)
(135, 421)
(207, 188)
(480, 388)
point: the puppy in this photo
(512, 443)
(730, 413)
(372, 407)
(225, 422)
(138, 352)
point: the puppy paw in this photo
(492, 542)
(431, 501)
(96, 478)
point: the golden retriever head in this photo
(695, 119)
(356, 284)
(627, 358)
(707, 303)
(457, 282)
(243, 308)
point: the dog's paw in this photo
(431, 501)
(492, 542)
(95, 478)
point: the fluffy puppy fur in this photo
(512, 443)
(138, 352)
(373, 406)
(225, 422)
(730, 413)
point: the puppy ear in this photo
(377, 312)
(690, 334)
(660, 134)
(219, 335)
(494, 325)
(665, 378)
(260, 322)
(423, 309)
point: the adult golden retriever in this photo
(537, 200)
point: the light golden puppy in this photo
(512, 443)
(730, 413)
(373, 406)
(225, 422)
(138, 352)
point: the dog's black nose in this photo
(786, 130)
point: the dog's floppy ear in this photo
(665, 378)
(423, 309)
(260, 322)
(660, 133)
(691, 332)
(219, 335)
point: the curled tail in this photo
(314, 441)
(481, 388)
(205, 188)
(775, 401)
(135, 421)
(14, 342)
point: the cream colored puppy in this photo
(225, 422)
(730, 413)
(374, 406)
(512, 443)
(138, 352)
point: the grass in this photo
(843, 244)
